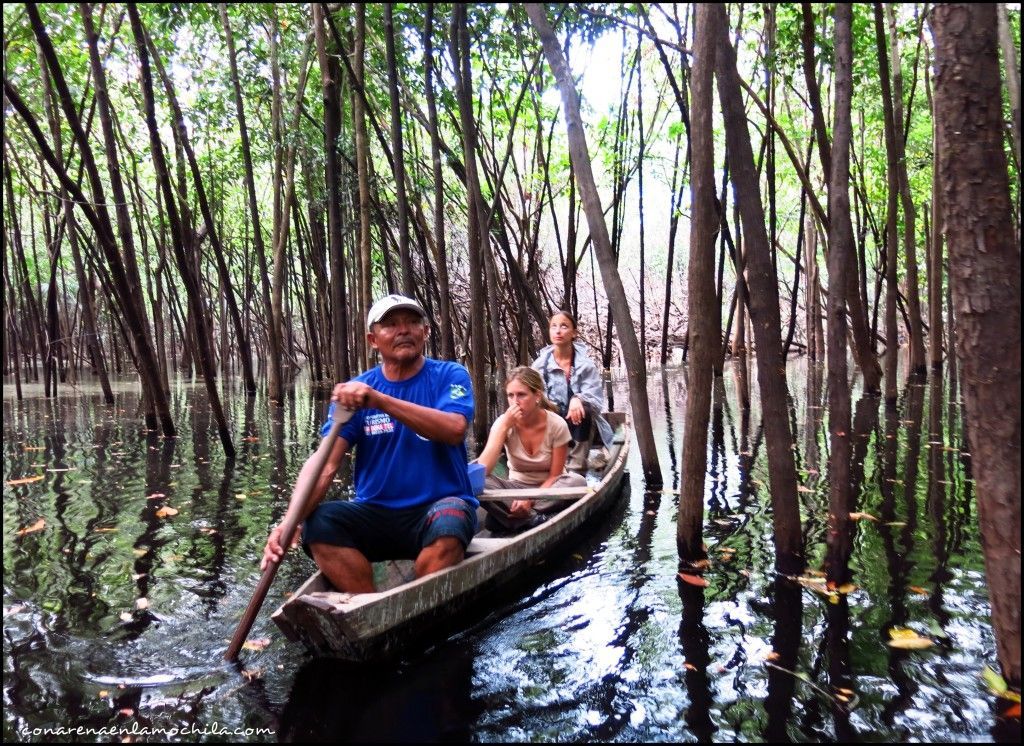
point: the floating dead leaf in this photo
(14, 609)
(37, 526)
(140, 552)
(701, 564)
(846, 588)
(24, 480)
(997, 685)
(208, 531)
(652, 512)
(801, 488)
(696, 580)
(105, 530)
(142, 603)
(252, 674)
(166, 511)
(240, 496)
(723, 522)
(126, 711)
(35, 448)
(772, 656)
(104, 692)
(816, 573)
(727, 550)
(578, 557)
(251, 439)
(155, 496)
(63, 468)
(862, 517)
(896, 524)
(126, 616)
(918, 590)
(256, 644)
(689, 666)
(908, 639)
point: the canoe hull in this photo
(370, 626)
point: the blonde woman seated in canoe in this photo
(536, 440)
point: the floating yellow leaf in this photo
(24, 480)
(240, 496)
(37, 526)
(862, 517)
(693, 580)
(142, 603)
(689, 667)
(104, 692)
(908, 639)
(35, 448)
(801, 488)
(918, 590)
(257, 644)
(155, 496)
(846, 588)
(166, 511)
(140, 552)
(772, 656)
(126, 616)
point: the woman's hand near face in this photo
(576, 412)
(514, 415)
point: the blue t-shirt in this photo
(394, 466)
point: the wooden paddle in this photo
(304, 485)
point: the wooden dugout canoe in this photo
(367, 626)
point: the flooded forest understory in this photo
(787, 233)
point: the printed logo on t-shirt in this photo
(378, 424)
(458, 391)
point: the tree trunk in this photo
(891, 288)
(250, 184)
(985, 277)
(704, 331)
(408, 284)
(1012, 79)
(364, 253)
(841, 247)
(330, 74)
(192, 288)
(764, 309)
(918, 361)
(224, 275)
(464, 93)
(602, 246)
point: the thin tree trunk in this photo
(464, 93)
(330, 74)
(250, 184)
(602, 246)
(1012, 77)
(213, 233)
(362, 159)
(192, 288)
(985, 277)
(841, 247)
(764, 309)
(918, 360)
(704, 331)
(398, 164)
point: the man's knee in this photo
(443, 552)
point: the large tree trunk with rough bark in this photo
(985, 277)
(634, 358)
(764, 309)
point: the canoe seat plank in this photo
(486, 544)
(551, 493)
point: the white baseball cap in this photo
(389, 303)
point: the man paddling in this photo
(413, 497)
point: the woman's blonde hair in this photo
(532, 380)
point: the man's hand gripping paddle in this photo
(304, 485)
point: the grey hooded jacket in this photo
(586, 384)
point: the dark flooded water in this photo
(117, 610)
